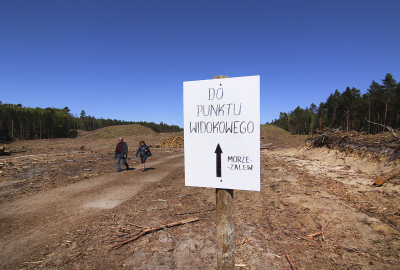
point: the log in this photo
(383, 179)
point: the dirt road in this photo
(317, 207)
(30, 224)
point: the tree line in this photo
(349, 110)
(24, 123)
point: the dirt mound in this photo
(117, 131)
(82, 133)
(280, 138)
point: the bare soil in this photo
(63, 207)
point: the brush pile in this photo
(383, 144)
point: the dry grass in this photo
(119, 131)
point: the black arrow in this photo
(218, 151)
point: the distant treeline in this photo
(349, 109)
(17, 122)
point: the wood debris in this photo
(4, 152)
(383, 179)
(283, 195)
(172, 142)
(394, 131)
(322, 139)
(334, 264)
(153, 229)
(321, 232)
(374, 147)
(195, 212)
(290, 262)
(268, 146)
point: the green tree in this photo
(83, 116)
(321, 114)
(313, 113)
(388, 87)
(376, 105)
(332, 105)
(350, 99)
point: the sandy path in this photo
(47, 215)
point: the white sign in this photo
(222, 133)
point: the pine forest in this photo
(24, 123)
(349, 110)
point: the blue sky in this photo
(128, 60)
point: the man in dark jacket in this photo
(121, 152)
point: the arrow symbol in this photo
(218, 151)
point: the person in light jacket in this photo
(121, 153)
(143, 149)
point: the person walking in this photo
(143, 150)
(121, 153)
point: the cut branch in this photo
(290, 262)
(153, 229)
(326, 225)
(281, 197)
(321, 232)
(195, 212)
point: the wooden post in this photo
(225, 230)
(225, 225)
